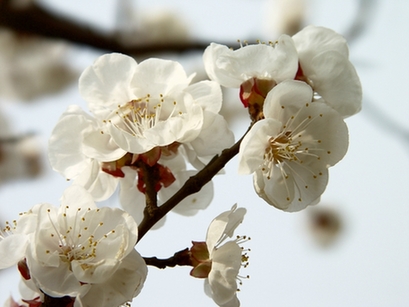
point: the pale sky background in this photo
(367, 266)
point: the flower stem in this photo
(151, 178)
(179, 258)
(65, 301)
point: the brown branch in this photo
(179, 258)
(33, 19)
(191, 186)
(150, 178)
(65, 301)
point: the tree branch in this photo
(65, 301)
(179, 258)
(191, 186)
(33, 19)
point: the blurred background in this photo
(352, 249)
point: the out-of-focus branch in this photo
(363, 18)
(33, 19)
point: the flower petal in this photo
(105, 84)
(255, 143)
(125, 284)
(157, 76)
(226, 262)
(207, 94)
(231, 68)
(336, 80)
(312, 40)
(224, 224)
(12, 249)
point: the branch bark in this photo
(33, 19)
(191, 186)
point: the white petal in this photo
(12, 249)
(125, 284)
(255, 143)
(101, 147)
(290, 94)
(131, 199)
(226, 262)
(231, 68)
(313, 40)
(54, 280)
(214, 136)
(207, 94)
(336, 80)
(307, 187)
(105, 84)
(74, 199)
(94, 272)
(117, 235)
(157, 76)
(276, 191)
(65, 144)
(100, 184)
(224, 224)
(130, 142)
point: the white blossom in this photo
(15, 237)
(324, 64)
(145, 105)
(231, 68)
(82, 251)
(219, 260)
(290, 150)
(77, 149)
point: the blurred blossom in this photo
(31, 66)
(20, 155)
(163, 26)
(156, 26)
(285, 16)
(324, 225)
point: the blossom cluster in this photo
(298, 90)
(145, 115)
(148, 130)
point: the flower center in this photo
(139, 115)
(78, 241)
(281, 148)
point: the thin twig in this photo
(179, 258)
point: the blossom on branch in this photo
(219, 261)
(315, 55)
(290, 150)
(146, 114)
(77, 149)
(255, 69)
(143, 105)
(83, 252)
(324, 64)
